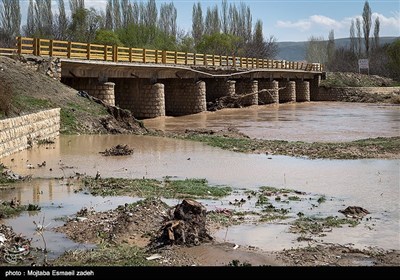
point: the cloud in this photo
(325, 21)
(390, 23)
(306, 24)
(97, 4)
(302, 25)
(393, 21)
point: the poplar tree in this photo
(366, 16)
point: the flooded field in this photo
(370, 183)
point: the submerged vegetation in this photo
(188, 188)
(380, 147)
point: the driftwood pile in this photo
(237, 100)
(118, 150)
(186, 225)
(354, 212)
(229, 101)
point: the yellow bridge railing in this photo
(89, 51)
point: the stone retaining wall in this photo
(17, 134)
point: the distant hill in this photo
(296, 51)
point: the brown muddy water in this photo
(369, 183)
(309, 122)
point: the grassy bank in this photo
(188, 188)
(381, 147)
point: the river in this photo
(370, 183)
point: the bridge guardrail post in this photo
(164, 57)
(51, 48)
(19, 44)
(88, 51)
(115, 53)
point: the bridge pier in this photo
(288, 94)
(250, 88)
(184, 97)
(102, 91)
(270, 96)
(217, 88)
(314, 87)
(143, 98)
(302, 91)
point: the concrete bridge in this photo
(154, 83)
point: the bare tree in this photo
(224, 17)
(167, 19)
(29, 28)
(74, 5)
(212, 23)
(135, 12)
(109, 15)
(10, 15)
(126, 13)
(359, 38)
(376, 33)
(366, 16)
(61, 25)
(197, 23)
(43, 18)
(258, 47)
(117, 15)
(151, 15)
(331, 45)
(316, 50)
(353, 40)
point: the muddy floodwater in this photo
(309, 122)
(370, 183)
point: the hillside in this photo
(296, 51)
(24, 91)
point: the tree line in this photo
(228, 30)
(384, 59)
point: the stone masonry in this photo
(288, 94)
(302, 91)
(268, 92)
(141, 97)
(17, 134)
(217, 88)
(184, 97)
(100, 90)
(244, 87)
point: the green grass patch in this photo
(196, 188)
(317, 225)
(29, 103)
(219, 218)
(366, 148)
(272, 217)
(7, 211)
(188, 188)
(105, 255)
(68, 121)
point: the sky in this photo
(291, 20)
